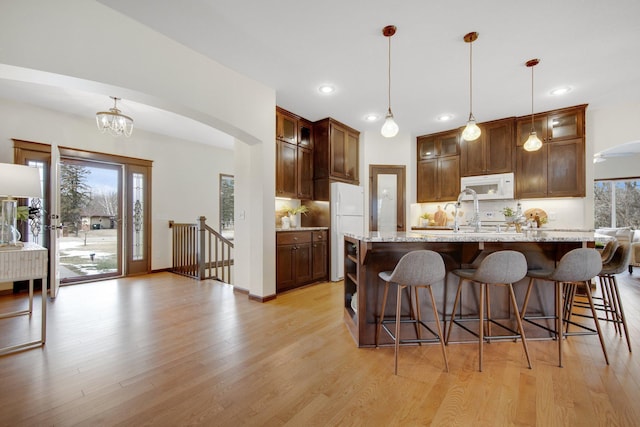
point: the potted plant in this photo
(425, 218)
(509, 215)
(293, 212)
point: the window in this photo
(617, 203)
(226, 205)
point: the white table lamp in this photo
(15, 181)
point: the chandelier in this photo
(113, 121)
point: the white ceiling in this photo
(295, 46)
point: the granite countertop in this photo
(279, 229)
(538, 235)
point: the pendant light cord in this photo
(389, 76)
(532, 127)
(470, 80)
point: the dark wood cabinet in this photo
(558, 125)
(293, 259)
(558, 168)
(286, 126)
(531, 173)
(304, 179)
(335, 156)
(565, 168)
(438, 172)
(439, 145)
(286, 169)
(492, 152)
(294, 156)
(319, 255)
(301, 258)
(305, 133)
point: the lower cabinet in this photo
(319, 255)
(301, 258)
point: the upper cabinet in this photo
(305, 133)
(492, 152)
(294, 156)
(438, 169)
(335, 155)
(558, 168)
(286, 126)
(311, 155)
(438, 145)
(286, 169)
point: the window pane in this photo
(226, 205)
(617, 203)
(138, 216)
(627, 200)
(602, 196)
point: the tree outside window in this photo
(226, 205)
(617, 203)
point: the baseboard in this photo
(262, 299)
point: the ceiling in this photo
(295, 46)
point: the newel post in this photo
(201, 247)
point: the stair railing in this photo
(201, 252)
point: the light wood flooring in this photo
(165, 350)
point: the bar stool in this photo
(611, 302)
(416, 269)
(498, 268)
(576, 267)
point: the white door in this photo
(54, 221)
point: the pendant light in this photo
(390, 127)
(472, 131)
(533, 143)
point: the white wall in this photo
(375, 149)
(63, 43)
(610, 127)
(613, 127)
(170, 190)
(618, 167)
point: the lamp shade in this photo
(19, 181)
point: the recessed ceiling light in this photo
(445, 117)
(560, 90)
(326, 89)
(371, 117)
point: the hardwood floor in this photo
(169, 351)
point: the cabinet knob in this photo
(295, 238)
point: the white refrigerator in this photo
(347, 216)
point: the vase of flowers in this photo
(293, 214)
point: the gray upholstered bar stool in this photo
(611, 303)
(576, 267)
(416, 269)
(498, 268)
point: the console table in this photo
(25, 263)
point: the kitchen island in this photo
(367, 255)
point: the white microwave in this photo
(489, 187)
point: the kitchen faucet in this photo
(477, 224)
(456, 227)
